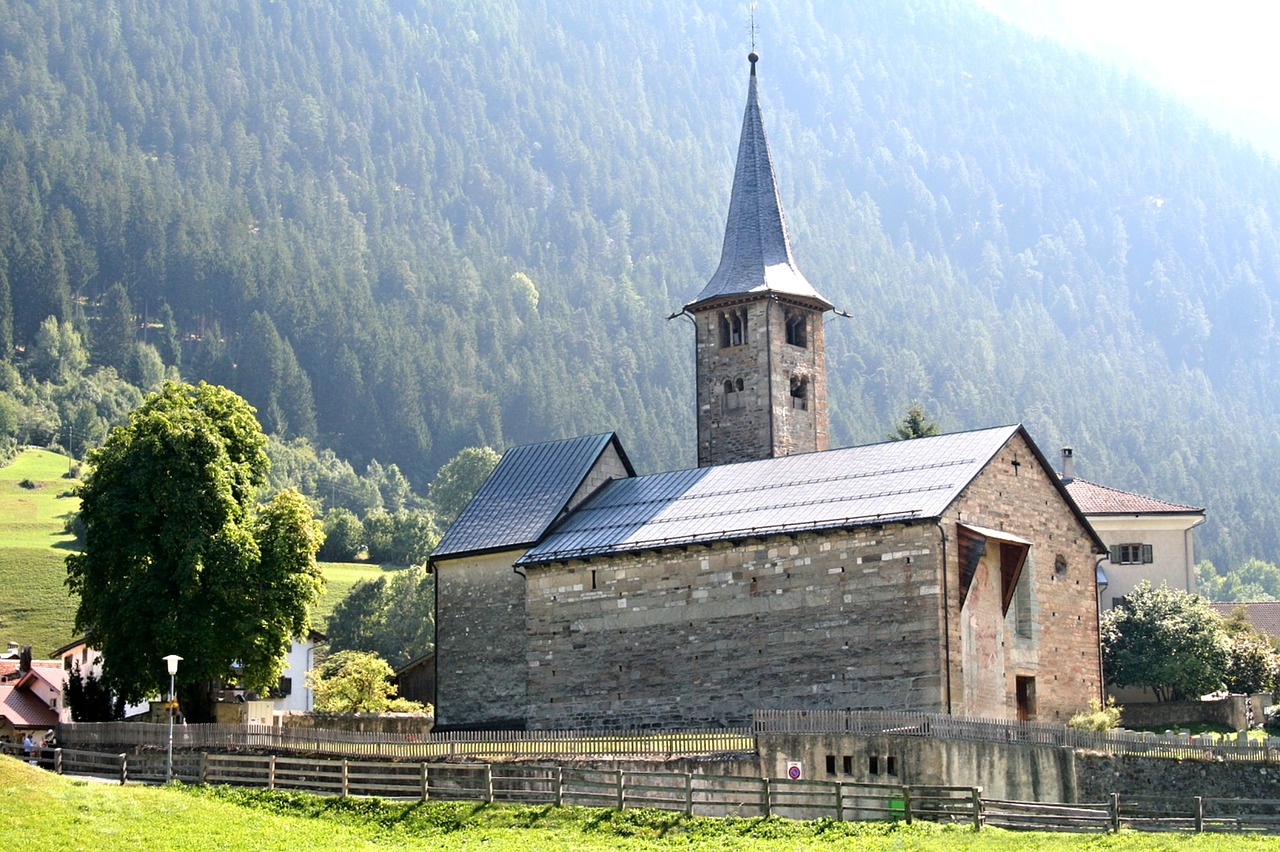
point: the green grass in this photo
(339, 577)
(34, 517)
(47, 812)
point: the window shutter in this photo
(1115, 554)
(1146, 554)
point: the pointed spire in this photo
(756, 258)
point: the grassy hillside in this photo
(35, 608)
(48, 812)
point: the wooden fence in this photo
(694, 795)
(551, 744)
(477, 744)
(869, 723)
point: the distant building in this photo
(1146, 538)
(1264, 616)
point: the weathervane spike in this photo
(752, 8)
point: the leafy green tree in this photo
(914, 424)
(458, 481)
(59, 354)
(356, 682)
(1253, 663)
(392, 616)
(343, 536)
(178, 557)
(1164, 639)
(399, 538)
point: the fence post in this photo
(906, 803)
(977, 808)
(271, 773)
(839, 788)
(559, 786)
(422, 781)
(346, 777)
(768, 798)
(57, 761)
(1115, 812)
(1199, 814)
(488, 782)
(203, 777)
(622, 800)
(124, 768)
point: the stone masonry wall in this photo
(705, 636)
(758, 421)
(1013, 494)
(480, 647)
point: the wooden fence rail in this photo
(700, 795)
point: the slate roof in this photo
(1094, 499)
(756, 256)
(1263, 615)
(527, 491)
(894, 481)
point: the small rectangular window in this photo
(891, 765)
(848, 764)
(1131, 554)
(873, 765)
(831, 764)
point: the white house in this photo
(1148, 539)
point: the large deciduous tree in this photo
(1164, 639)
(179, 558)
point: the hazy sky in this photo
(1222, 56)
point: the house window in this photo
(1131, 554)
(800, 393)
(831, 764)
(797, 329)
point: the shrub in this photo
(1098, 717)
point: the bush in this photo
(1098, 717)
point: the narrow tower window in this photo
(798, 330)
(739, 335)
(724, 331)
(800, 393)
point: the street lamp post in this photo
(171, 661)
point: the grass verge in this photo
(47, 812)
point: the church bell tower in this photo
(760, 358)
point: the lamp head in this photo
(172, 662)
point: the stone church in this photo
(949, 574)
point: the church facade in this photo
(947, 574)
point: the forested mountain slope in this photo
(402, 227)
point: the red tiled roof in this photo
(1094, 499)
(22, 709)
(1263, 615)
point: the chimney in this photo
(1068, 465)
(24, 659)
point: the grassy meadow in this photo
(35, 608)
(50, 813)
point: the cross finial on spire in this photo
(752, 8)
